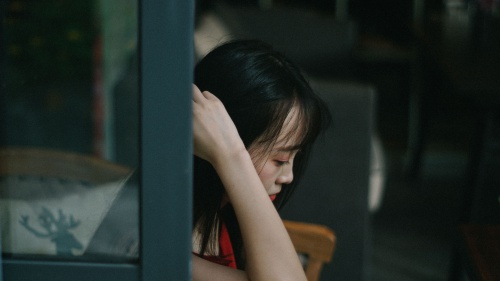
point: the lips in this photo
(273, 197)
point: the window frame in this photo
(166, 61)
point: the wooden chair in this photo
(315, 241)
(57, 164)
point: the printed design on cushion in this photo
(56, 229)
(52, 216)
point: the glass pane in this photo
(69, 129)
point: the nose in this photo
(286, 176)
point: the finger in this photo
(209, 96)
(197, 95)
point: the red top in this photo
(226, 254)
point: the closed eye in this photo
(281, 163)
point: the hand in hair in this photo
(213, 130)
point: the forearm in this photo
(204, 270)
(269, 252)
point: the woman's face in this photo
(275, 167)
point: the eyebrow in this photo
(288, 148)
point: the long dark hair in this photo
(259, 87)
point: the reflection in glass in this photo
(68, 145)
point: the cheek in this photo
(268, 175)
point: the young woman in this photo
(254, 124)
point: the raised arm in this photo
(270, 254)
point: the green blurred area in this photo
(47, 42)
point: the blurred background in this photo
(69, 81)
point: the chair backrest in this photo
(315, 241)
